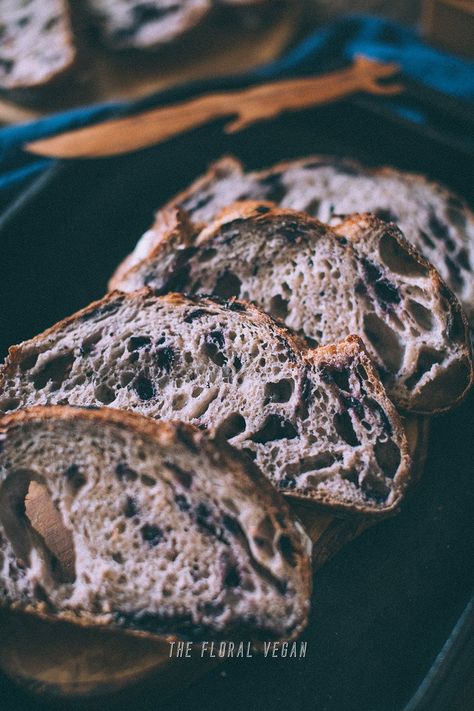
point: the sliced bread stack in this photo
(361, 277)
(317, 422)
(435, 221)
(274, 339)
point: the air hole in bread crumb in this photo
(278, 307)
(287, 550)
(280, 391)
(233, 425)
(427, 357)
(385, 341)
(9, 403)
(75, 478)
(206, 254)
(345, 429)
(227, 285)
(29, 361)
(388, 456)
(179, 401)
(398, 259)
(143, 387)
(104, 394)
(274, 428)
(319, 461)
(126, 378)
(30, 517)
(54, 371)
(421, 314)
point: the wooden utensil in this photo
(61, 659)
(257, 103)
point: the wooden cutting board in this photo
(64, 660)
(219, 48)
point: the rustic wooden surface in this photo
(65, 660)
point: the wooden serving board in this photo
(65, 660)
(219, 48)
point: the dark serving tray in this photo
(391, 626)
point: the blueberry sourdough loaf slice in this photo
(36, 43)
(437, 222)
(361, 277)
(126, 24)
(169, 533)
(317, 422)
(136, 24)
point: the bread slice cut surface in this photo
(325, 283)
(432, 218)
(168, 533)
(36, 43)
(317, 422)
(146, 25)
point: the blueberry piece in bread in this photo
(325, 283)
(436, 221)
(36, 43)
(168, 533)
(317, 422)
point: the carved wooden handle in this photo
(260, 102)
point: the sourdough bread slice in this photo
(169, 533)
(146, 25)
(36, 43)
(362, 277)
(437, 222)
(317, 422)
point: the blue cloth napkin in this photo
(330, 45)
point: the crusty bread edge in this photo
(223, 165)
(229, 164)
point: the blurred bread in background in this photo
(143, 58)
